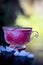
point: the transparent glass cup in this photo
(18, 37)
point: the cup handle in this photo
(36, 34)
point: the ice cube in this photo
(15, 49)
(23, 53)
(2, 48)
(8, 49)
(0, 51)
(30, 55)
(16, 53)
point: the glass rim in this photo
(22, 28)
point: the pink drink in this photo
(17, 36)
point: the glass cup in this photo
(18, 37)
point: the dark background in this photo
(8, 14)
